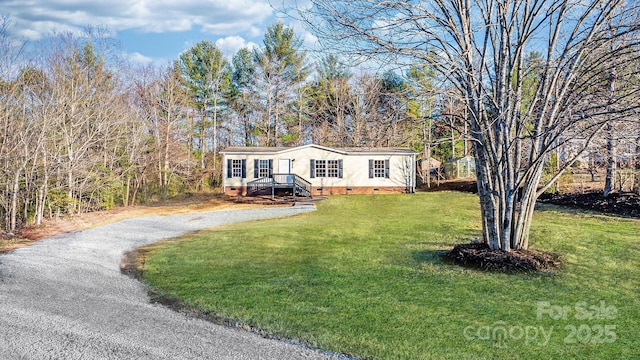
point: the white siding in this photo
(355, 167)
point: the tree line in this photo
(84, 130)
(521, 109)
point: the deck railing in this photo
(302, 185)
(297, 184)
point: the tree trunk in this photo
(610, 179)
(15, 190)
(215, 134)
(426, 138)
(636, 183)
(453, 144)
(127, 189)
(490, 233)
(609, 182)
(42, 197)
(276, 118)
(507, 205)
(70, 192)
(203, 141)
(507, 217)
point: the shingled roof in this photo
(343, 150)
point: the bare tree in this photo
(83, 92)
(481, 48)
(60, 132)
(422, 84)
(163, 104)
(16, 133)
(366, 120)
(10, 50)
(331, 104)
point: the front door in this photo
(284, 166)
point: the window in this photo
(321, 168)
(262, 168)
(326, 168)
(236, 168)
(378, 169)
(332, 168)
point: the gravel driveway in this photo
(65, 298)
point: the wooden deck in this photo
(298, 185)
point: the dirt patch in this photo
(185, 204)
(132, 263)
(480, 256)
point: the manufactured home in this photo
(311, 170)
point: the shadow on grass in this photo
(132, 265)
(542, 207)
(435, 249)
(433, 257)
(439, 258)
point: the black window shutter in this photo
(313, 169)
(340, 169)
(256, 167)
(370, 169)
(386, 169)
(229, 169)
(244, 168)
(270, 167)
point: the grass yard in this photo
(361, 276)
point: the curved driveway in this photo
(65, 298)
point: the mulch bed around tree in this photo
(620, 204)
(463, 185)
(478, 255)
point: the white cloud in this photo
(310, 41)
(221, 17)
(38, 30)
(255, 31)
(231, 44)
(140, 59)
(158, 28)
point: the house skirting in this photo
(332, 190)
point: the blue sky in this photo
(151, 31)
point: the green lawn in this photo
(362, 276)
